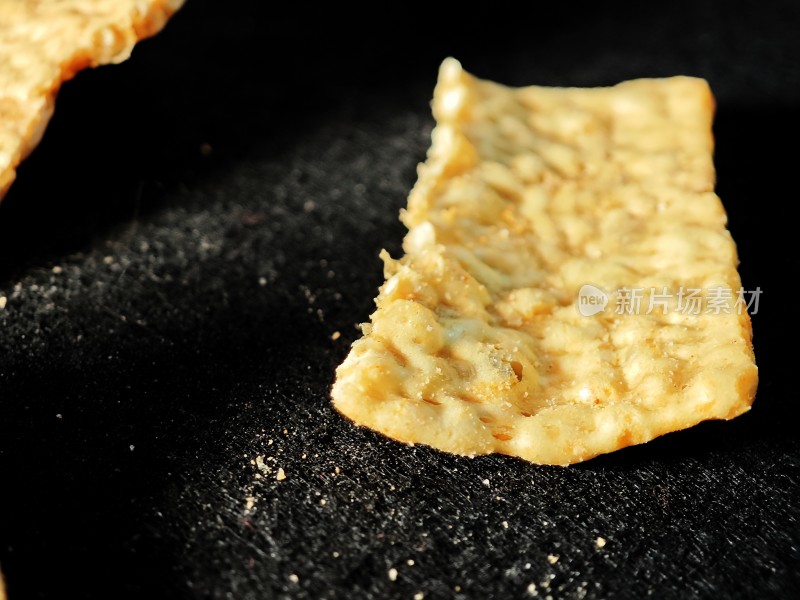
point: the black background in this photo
(199, 221)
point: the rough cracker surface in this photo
(477, 345)
(44, 43)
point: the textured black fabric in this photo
(200, 220)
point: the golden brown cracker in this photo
(44, 43)
(479, 344)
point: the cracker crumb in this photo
(59, 416)
(505, 524)
(419, 596)
(108, 260)
(322, 501)
(486, 482)
(552, 558)
(303, 456)
(335, 554)
(262, 281)
(131, 447)
(532, 589)
(456, 588)
(3, 301)
(337, 470)
(335, 335)
(57, 270)
(410, 562)
(601, 541)
(294, 578)
(281, 474)
(249, 502)
(260, 463)
(392, 574)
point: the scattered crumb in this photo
(419, 596)
(335, 554)
(505, 524)
(294, 578)
(322, 501)
(281, 474)
(532, 589)
(456, 588)
(486, 482)
(131, 447)
(269, 442)
(260, 463)
(601, 541)
(410, 562)
(3, 301)
(262, 281)
(552, 558)
(108, 260)
(57, 270)
(392, 574)
(337, 470)
(336, 335)
(392, 488)
(249, 502)
(59, 416)
(527, 566)
(303, 456)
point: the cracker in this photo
(478, 344)
(44, 43)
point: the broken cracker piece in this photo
(527, 195)
(46, 42)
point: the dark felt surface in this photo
(187, 328)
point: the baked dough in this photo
(44, 43)
(478, 344)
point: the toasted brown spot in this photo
(517, 368)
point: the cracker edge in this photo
(144, 26)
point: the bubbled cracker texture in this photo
(477, 345)
(46, 42)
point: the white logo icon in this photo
(591, 300)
